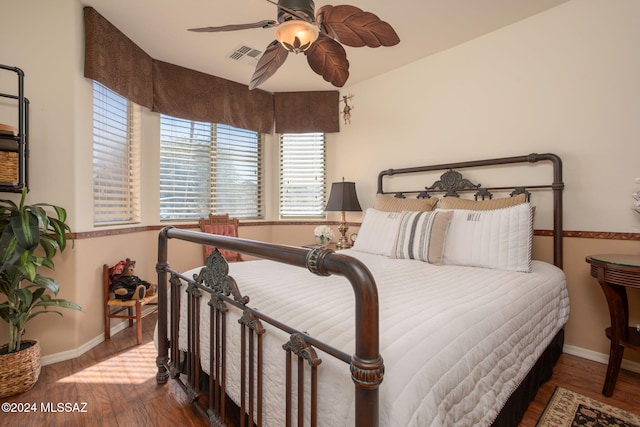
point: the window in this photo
(209, 168)
(302, 175)
(116, 158)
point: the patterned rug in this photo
(569, 409)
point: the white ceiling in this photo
(425, 27)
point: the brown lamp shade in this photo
(343, 197)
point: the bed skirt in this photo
(510, 415)
(517, 405)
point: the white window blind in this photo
(207, 168)
(302, 175)
(237, 172)
(185, 173)
(116, 158)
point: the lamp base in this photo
(344, 242)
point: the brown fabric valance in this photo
(112, 59)
(115, 61)
(298, 112)
(189, 94)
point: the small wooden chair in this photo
(224, 226)
(113, 307)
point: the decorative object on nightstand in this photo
(343, 198)
(323, 235)
(616, 273)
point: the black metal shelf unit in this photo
(14, 147)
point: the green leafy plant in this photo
(24, 229)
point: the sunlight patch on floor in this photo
(134, 366)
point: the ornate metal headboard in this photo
(452, 182)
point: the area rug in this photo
(570, 409)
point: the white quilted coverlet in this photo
(456, 341)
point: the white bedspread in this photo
(456, 341)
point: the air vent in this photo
(245, 54)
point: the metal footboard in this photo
(214, 283)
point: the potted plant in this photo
(29, 239)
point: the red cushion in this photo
(222, 230)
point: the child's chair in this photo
(113, 307)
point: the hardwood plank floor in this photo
(585, 377)
(116, 380)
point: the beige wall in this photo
(564, 81)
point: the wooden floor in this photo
(116, 381)
(585, 377)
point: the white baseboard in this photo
(600, 357)
(72, 354)
(569, 349)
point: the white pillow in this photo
(499, 238)
(378, 232)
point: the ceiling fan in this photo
(319, 35)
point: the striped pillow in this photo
(422, 236)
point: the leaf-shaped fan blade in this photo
(272, 58)
(329, 59)
(354, 27)
(235, 27)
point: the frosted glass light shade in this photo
(296, 36)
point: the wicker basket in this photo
(20, 370)
(8, 167)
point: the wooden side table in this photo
(617, 272)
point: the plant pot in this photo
(21, 369)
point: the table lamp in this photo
(343, 198)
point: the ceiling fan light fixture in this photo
(296, 36)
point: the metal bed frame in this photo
(366, 364)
